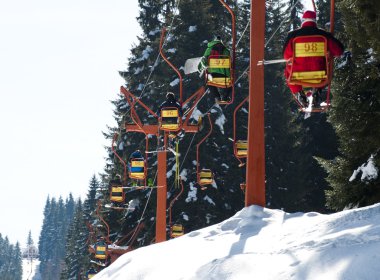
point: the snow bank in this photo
(259, 243)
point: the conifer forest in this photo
(10, 260)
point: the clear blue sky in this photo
(58, 73)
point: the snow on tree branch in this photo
(369, 171)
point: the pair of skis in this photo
(119, 207)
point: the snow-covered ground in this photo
(259, 243)
(29, 270)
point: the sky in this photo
(59, 63)
(260, 243)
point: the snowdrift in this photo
(260, 243)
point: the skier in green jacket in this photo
(217, 49)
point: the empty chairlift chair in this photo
(241, 148)
(205, 177)
(177, 230)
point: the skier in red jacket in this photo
(308, 62)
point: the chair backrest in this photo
(220, 64)
(101, 252)
(137, 168)
(137, 162)
(117, 194)
(177, 230)
(241, 148)
(205, 177)
(310, 64)
(170, 119)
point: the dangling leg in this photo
(227, 94)
(317, 94)
(215, 92)
(171, 141)
(299, 94)
(150, 182)
(301, 97)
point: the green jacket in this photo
(211, 47)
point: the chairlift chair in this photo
(101, 251)
(117, 193)
(304, 72)
(177, 230)
(205, 177)
(219, 62)
(241, 148)
(91, 275)
(170, 120)
(137, 168)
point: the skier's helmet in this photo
(170, 96)
(217, 37)
(309, 16)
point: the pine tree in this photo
(10, 260)
(53, 237)
(90, 202)
(43, 240)
(355, 114)
(77, 256)
(31, 251)
(81, 233)
(16, 270)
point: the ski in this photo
(119, 207)
(191, 65)
(98, 263)
(174, 152)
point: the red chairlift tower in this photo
(255, 178)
